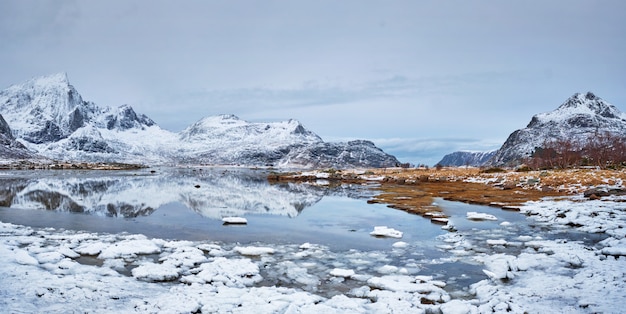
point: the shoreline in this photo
(415, 190)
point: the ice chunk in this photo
(384, 231)
(155, 272)
(614, 247)
(480, 216)
(387, 269)
(499, 266)
(68, 252)
(229, 272)
(22, 257)
(234, 220)
(253, 250)
(400, 245)
(91, 248)
(130, 248)
(496, 242)
(340, 272)
(457, 307)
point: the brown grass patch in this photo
(414, 190)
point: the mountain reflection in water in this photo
(188, 204)
(211, 192)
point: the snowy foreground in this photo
(57, 271)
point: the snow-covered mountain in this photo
(466, 158)
(50, 117)
(578, 119)
(227, 139)
(9, 147)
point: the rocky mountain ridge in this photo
(466, 158)
(581, 118)
(49, 117)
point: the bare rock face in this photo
(579, 119)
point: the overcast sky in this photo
(419, 78)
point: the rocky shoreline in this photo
(415, 190)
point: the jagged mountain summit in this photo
(51, 118)
(466, 158)
(579, 119)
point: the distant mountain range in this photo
(47, 117)
(579, 119)
(466, 158)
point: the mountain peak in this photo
(580, 118)
(579, 105)
(47, 81)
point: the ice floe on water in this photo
(480, 216)
(384, 231)
(530, 274)
(234, 220)
(58, 271)
(520, 270)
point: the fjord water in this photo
(188, 204)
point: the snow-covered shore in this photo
(528, 274)
(58, 271)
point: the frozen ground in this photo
(58, 271)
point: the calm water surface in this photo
(188, 204)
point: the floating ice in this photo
(41, 271)
(155, 272)
(340, 272)
(497, 242)
(400, 245)
(384, 231)
(235, 220)
(129, 248)
(480, 216)
(253, 250)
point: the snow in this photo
(563, 123)
(480, 216)
(155, 272)
(384, 231)
(235, 220)
(544, 275)
(253, 250)
(400, 245)
(50, 118)
(47, 270)
(184, 276)
(497, 242)
(339, 272)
